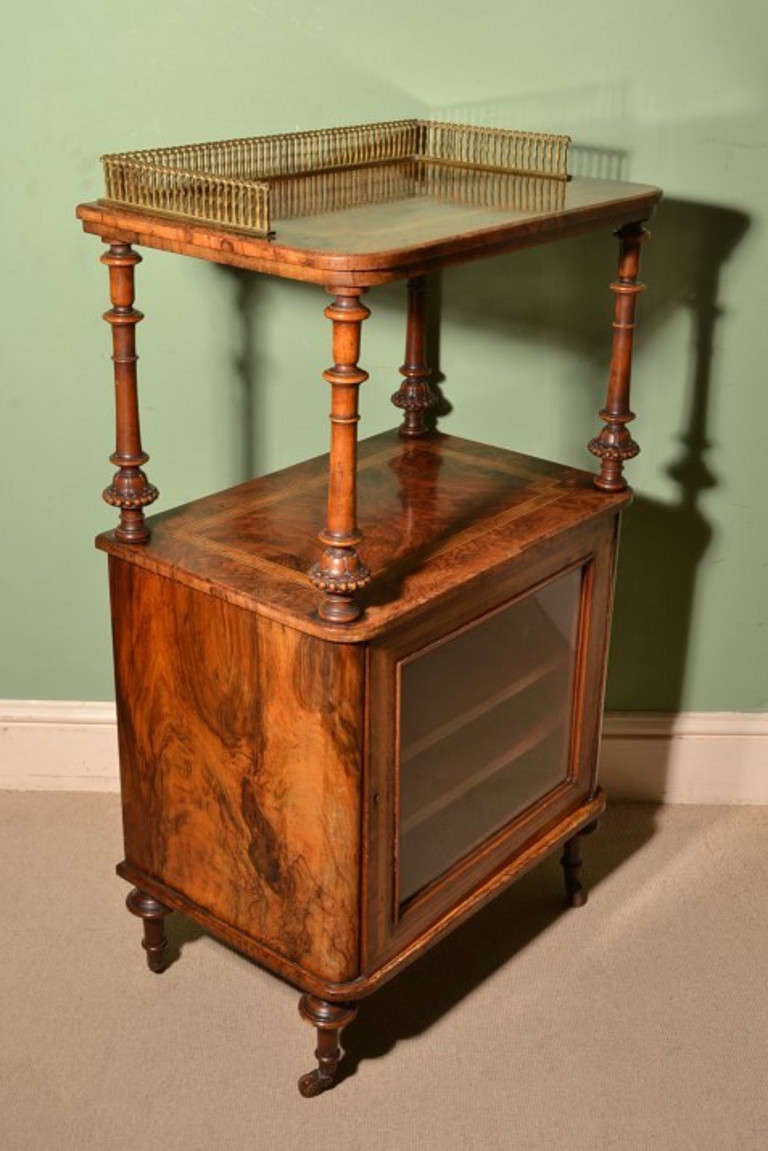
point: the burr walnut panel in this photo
(240, 751)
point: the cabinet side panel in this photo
(240, 750)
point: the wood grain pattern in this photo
(549, 841)
(240, 750)
(380, 242)
(435, 513)
(246, 790)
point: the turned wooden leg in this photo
(614, 445)
(329, 1019)
(571, 863)
(339, 572)
(130, 490)
(414, 395)
(152, 914)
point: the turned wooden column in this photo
(414, 395)
(339, 572)
(152, 915)
(329, 1019)
(130, 490)
(614, 445)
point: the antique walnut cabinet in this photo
(334, 748)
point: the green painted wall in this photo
(669, 94)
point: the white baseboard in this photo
(58, 745)
(693, 757)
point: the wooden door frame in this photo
(388, 928)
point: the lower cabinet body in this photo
(332, 801)
(331, 809)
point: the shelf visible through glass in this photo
(485, 727)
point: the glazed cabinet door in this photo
(483, 733)
(485, 716)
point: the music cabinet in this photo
(331, 754)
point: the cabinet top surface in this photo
(399, 235)
(434, 513)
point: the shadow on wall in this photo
(552, 294)
(246, 368)
(664, 543)
(597, 161)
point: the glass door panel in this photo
(485, 722)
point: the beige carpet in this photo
(640, 1021)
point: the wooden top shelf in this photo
(356, 205)
(388, 241)
(396, 238)
(433, 512)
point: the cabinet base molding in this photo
(355, 989)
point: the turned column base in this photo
(613, 447)
(416, 400)
(328, 1019)
(152, 913)
(339, 573)
(414, 397)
